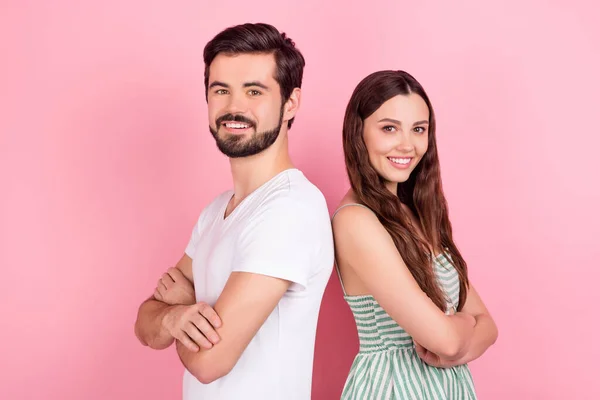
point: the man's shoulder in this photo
(298, 191)
(299, 197)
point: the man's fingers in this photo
(210, 314)
(162, 291)
(175, 274)
(197, 335)
(167, 280)
(157, 295)
(187, 342)
(206, 328)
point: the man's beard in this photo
(234, 146)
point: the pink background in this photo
(106, 162)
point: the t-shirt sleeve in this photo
(280, 242)
(190, 249)
(206, 213)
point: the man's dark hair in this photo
(260, 39)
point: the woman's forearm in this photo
(484, 336)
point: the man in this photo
(242, 303)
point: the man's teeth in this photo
(399, 160)
(236, 125)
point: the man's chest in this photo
(213, 261)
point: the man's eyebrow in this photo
(218, 83)
(255, 83)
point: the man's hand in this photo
(193, 325)
(174, 288)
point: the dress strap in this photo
(337, 269)
(349, 204)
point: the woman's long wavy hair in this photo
(422, 192)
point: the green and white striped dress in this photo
(387, 365)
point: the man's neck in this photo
(249, 173)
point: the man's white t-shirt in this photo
(283, 230)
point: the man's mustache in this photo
(234, 118)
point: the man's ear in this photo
(292, 105)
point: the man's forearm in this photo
(185, 356)
(204, 365)
(148, 327)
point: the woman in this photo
(419, 319)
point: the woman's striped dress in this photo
(387, 365)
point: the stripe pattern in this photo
(388, 368)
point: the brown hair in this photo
(260, 39)
(422, 192)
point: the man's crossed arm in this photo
(172, 313)
(241, 309)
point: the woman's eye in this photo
(419, 129)
(389, 128)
